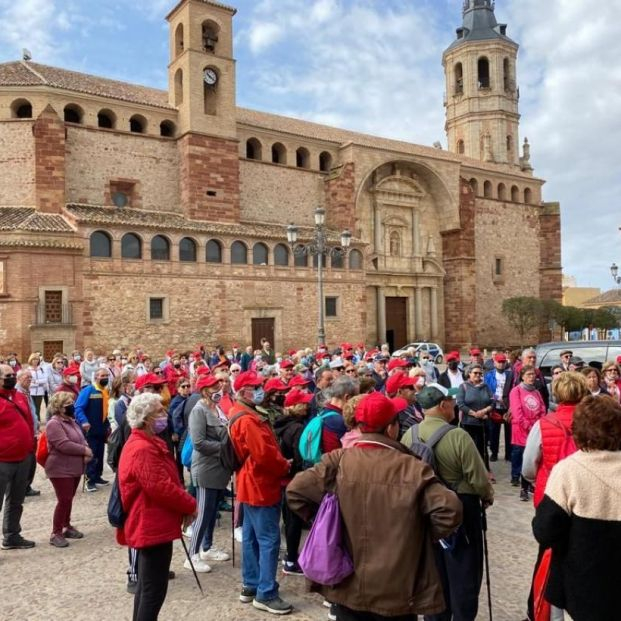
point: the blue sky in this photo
(375, 66)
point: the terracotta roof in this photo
(163, 221)
(28, 219)
(22, 73)
(608, 297)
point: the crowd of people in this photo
(408, 449)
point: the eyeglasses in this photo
(184, 386)
(351, 371)
(556, 372)
(339, 369)
(476, 373)
(235, 371)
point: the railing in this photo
(49, 316)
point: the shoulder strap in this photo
(438, 434)
(555, 421)
(326, 414)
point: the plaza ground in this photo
(86, 582)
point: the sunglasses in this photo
(351, 371)
(184, 386)
(235, 371)
(158, 372)
(556, 373)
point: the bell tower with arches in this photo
(482, 118)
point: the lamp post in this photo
(614, 271)
(318, 247)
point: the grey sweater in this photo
(207, 432)
(473, 398)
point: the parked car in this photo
(437, 355)
(594, 353)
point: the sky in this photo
(375, 66)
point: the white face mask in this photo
(420, 380)
(73, 379)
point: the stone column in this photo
(416, 233)
(434, 313)
(411, 316)
(418, 296)
(381, 316)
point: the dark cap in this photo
(433, 394)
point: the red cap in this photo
(322, 355)
(348, 356)
(247, 378)
(235, 346)
(297, 396)
(203, 371)
(292, 352)
(346, 346)
(71, 371)
(618, 359)
(398, 380)
(275, 385)
(400, 403)
(298, 380)
(374, 411)
(286, 364)
(140, 382)
(206, 381)
(500, 358)
(153, 380)
(452, 355)
(397, 363)
(170, 352)
(360, 346)
(475, 351)
(198, 354)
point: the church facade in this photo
(130, 215)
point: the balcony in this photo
(53, 315)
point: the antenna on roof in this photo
(26, 54)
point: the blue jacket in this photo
(490, 380)
(89, 409)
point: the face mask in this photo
(279, 400)
(77, 358)
(9, 383)
(13, 363)
(70, 410)
(420, 381)
(73, 379)
(452, 365)
(257, 358)
(159, 425)
(177, 365)
(216, 396)
(103, 382)
(258, 395)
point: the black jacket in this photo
(288, 430)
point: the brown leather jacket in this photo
(393, 507)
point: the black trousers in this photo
(293, 531)
(14, 478)
(347, 614)
(493, 430)
(461, 569)
(153, 566)
(477, 433)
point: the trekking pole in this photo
(486, 556)
(198, 582)
(233, 519)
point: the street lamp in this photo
(614, 270)
(318, 247)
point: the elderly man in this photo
(323, 380)
(24, 381)
(91, 413)
(566, 356)
(16, 457)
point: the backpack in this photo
(116, 441)
(43, 451)
(425, 450)
(116, 513)
(228, 455)
(310, 440)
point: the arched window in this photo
(325, 161)
(355, 259)
(502, 192)
(160, 248)
(302, 158)
(515, 194)
(281, 255)
(395, 244)
(138, 124)
(337, 260)
(179, 44)
(106, 119)
(101, 244)
(461, 147)
(254, 149)
(483, 72)
(259, 254)
(210, 90)
(528, 196)
(21, 109)
(73, 113)
(279, 153)
(487, 189)
(179, 85)
(300, 259)
(213, 252)
(506, 75)
(187, 250)
(509, 144)
(131, 246)
(167, 129)
(474, 184)
(210, 35)
(239, 253)
(459, 79)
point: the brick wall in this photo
(550, 286)
(341, 197)
(17, 171)
(49, 134)
(209, 164)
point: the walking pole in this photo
(198, 582)
(486, 556)
(233, 519)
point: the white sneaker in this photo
(187, 533)
(238, 534)
(199, 565)
(214, 554)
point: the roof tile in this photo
(28, 219)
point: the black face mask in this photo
(177, 365)
(9, 383)
(279, 400)
(70, 410)
(453, 365)
(103, 381)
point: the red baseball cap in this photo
(298, 380)
(452, 355)
(292, 352)
(360, 346)
(275, 385)
(398, 380)
(475, 351)
(206, 381)
(71, 371)
(500, 358)
(348, 356)
(203, 371)
(297, 396)
(346, 346)
(400, 403)
(247, 378)
(286, 364)
(151, 379)
(397, 363)
(374, 412)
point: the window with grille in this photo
(331, 306)
(156, 308)
(53, 306)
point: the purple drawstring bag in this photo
(324, 559)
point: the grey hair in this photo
(141, 407)
(529, 350)
(22, 372)
(343, 387)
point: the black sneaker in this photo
(17, 543)
(291, 569)
(32, 492)
(276, 605)
(171, 574)
(524, 495)
(91, 487)
(332, 613)
(247, 595)
(102, 482)
(515, 481)
(132, 587)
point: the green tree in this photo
(523, 314)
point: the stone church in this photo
(131, 215)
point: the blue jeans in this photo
(261, 548)
(517, 453)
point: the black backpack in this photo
(116, 442)
(228, 456)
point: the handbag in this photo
(43, 450)
(116, 513)
(324, 558)
(542, 607)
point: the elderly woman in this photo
(612, 381)
(38, 386)
(68, 454)
(154, 501)
(594, 381)
(579, 517)
(207, 428)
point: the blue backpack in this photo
(310, 440)
(186, 451)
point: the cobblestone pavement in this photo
(87, 580)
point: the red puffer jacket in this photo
(16, 426)
(153, 498)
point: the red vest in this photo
(552, 439)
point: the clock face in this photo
(210, 76)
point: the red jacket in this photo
(259, 480)
(153, 498)
(16, 426)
